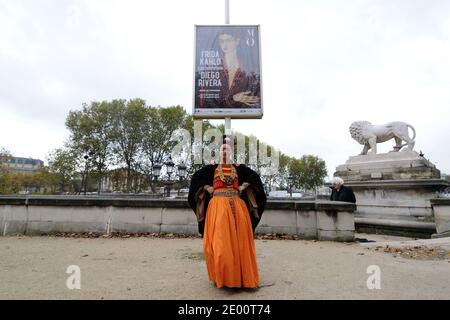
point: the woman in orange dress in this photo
(223, 196)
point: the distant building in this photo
(18, 164)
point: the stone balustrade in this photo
(31, 215)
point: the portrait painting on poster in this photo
(227, 72)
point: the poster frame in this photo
(221, 113)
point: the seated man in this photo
(341, 192)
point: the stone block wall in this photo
(322, 220)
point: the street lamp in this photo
(290, 180)
(156, 170)
(169, 167)
(182, 173)
(87, 157)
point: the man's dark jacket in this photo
(344, 194)
(205, 176)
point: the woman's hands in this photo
(243, 186)
(245, 98)
(209, 189)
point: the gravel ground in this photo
(158, 268)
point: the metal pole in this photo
(227, 21)
(227, 11)
(168, 187)
(86, 177)
(82, 182)
(228, 126)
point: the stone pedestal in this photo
(406, 165)
(393, 186)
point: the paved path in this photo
(154, 268)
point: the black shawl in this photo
(344, 194)
(205, 176)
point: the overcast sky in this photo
(325, 64)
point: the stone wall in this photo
(396, 199)
(322, 220)
(441, 211)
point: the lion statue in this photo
(369, 135)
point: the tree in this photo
(128, 137)
(44, 181)
(308, 172)
(129, 134)
(4, 172)
(62, 164)
(4, 154)
(280, 178)
(160, 125)
(92, 134)
(195, 145)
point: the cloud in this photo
(325, 64)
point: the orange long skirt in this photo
(228, 244)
